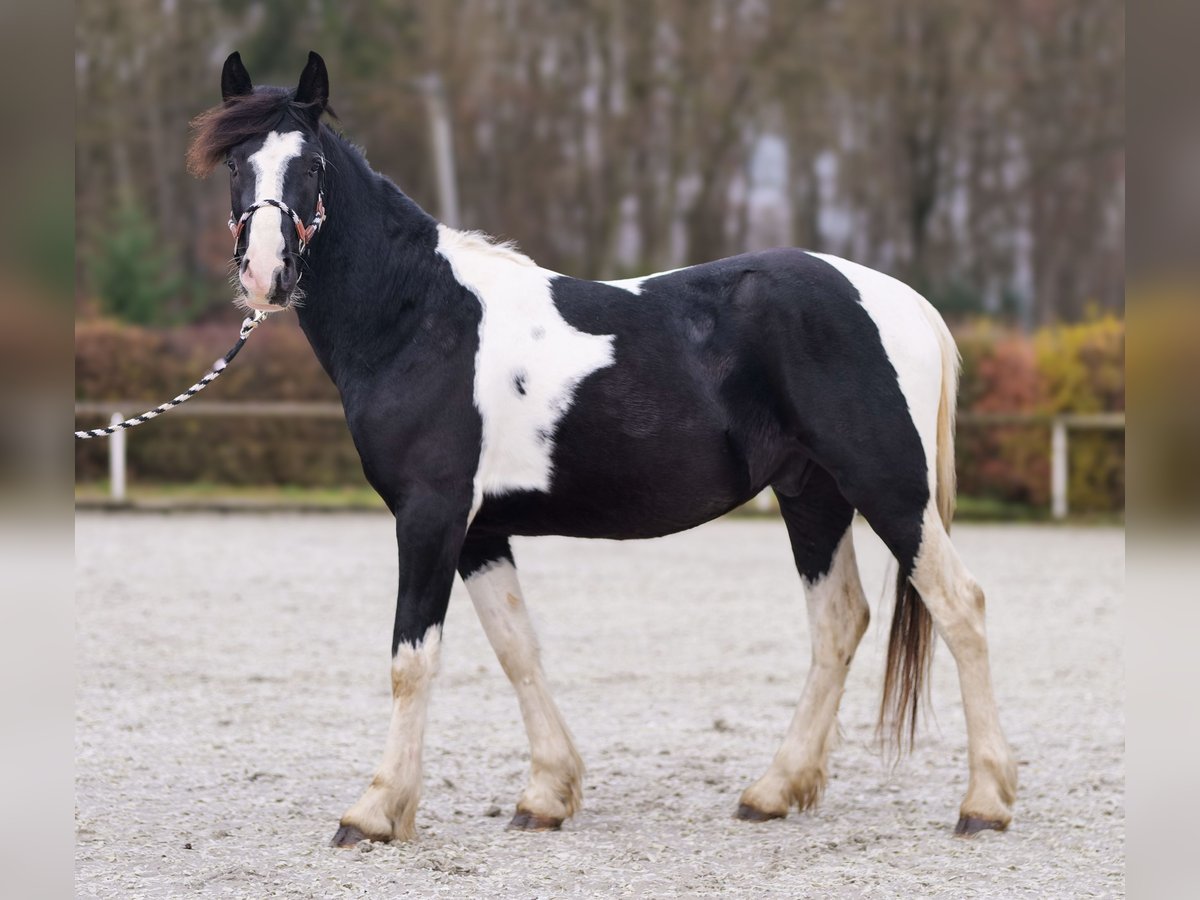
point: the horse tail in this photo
(910, 642)
(947, 406)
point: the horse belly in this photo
(609, 484)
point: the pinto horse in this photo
(489, 397)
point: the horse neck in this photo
(367, 272)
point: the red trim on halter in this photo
(305, 235)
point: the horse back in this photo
(699, 387)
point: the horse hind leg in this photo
(956, 603)
(818, 521)
(934, 579)
(555, 788)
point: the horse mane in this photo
(478, 242)
(218, 130)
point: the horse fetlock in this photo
(553, 793)
(1003, 772)
(988, 805)
(994, 773)
(807, 786)
(768, 798)
(380, 815)
(778, 791)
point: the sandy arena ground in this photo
(233, 695)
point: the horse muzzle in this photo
(270, 291)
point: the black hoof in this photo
(969, 825)
(748, 813)
(526, 821)
(349, 836)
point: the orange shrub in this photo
(1006, 462)
(1067, 368)
(1082, 369)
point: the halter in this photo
(304, 233)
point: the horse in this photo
(489, 397)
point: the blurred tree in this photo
(972, 148)
(130, 271)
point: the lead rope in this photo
(251, 322)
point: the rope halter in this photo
(304, 232)
(251, 322)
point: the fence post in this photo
(1058, 469)
(116, 459)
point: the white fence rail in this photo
(1060, 426)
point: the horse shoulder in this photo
(529, 363)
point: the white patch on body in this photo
(555, 788)
(910, 343)
(388, 808)
(522, 338)
(634, 285)
(264, 243)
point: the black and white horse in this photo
(490, 397)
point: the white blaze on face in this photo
(264, 243)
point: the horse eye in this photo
(232, 166)
(315, 167)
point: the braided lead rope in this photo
(248, 325)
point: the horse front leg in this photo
(429, 532)
(555, 788)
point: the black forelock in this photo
(218, 130)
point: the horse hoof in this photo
(525, 821)
(349, 836)
(748, 813)
(969, 825)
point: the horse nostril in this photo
(284, 281)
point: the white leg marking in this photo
(955, 601)
(388, 808)
(838, 615)
(556, 771)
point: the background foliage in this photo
(1065, 368)
(974, 149)
(1059, 369)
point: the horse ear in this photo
(313, 89)
(235, 80)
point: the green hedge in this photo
(1069, 368)
(115, 362)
